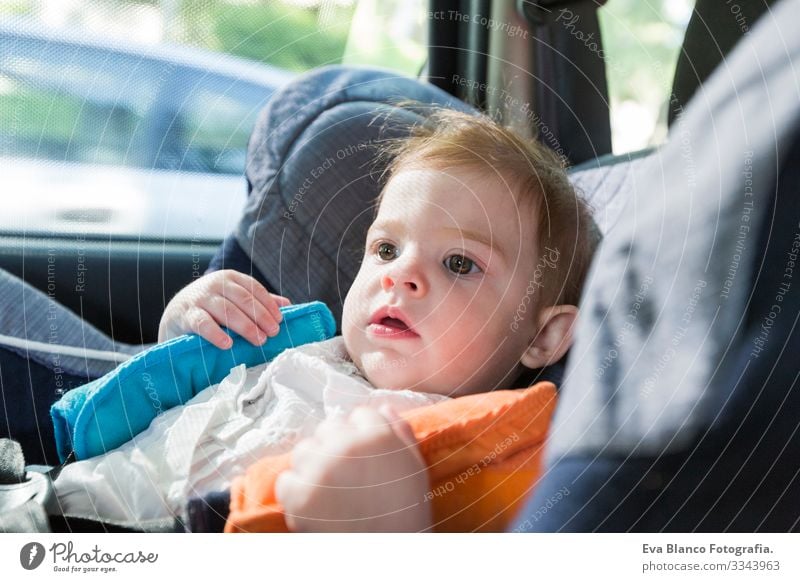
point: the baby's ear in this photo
(553, 338)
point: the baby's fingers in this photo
(292, 492)
(286, 484)
(251, 301)
(282, 301)
(259, 293)
(203, 324)
(398, 424)
(227, 313)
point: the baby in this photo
(472, 270)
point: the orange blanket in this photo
(483, 454)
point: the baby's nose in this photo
(406, 281)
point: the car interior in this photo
(537, 66)
(562, 76)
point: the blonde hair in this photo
(451, 139)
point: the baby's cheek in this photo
(469, 348)
(351, 343)
(468, 327)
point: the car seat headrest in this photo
(714, 28)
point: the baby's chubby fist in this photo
(223, 298)
(364, 473)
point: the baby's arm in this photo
(228, 298)
(362, 474)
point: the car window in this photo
(389, 33)
(59, 112)
(641, 43)
(159, 99)
(88, 104)
(217, 119)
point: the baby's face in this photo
(447, 265)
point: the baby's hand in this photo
(228, 298)
(363, 474)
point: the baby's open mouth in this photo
(394, 323)
(389, 323)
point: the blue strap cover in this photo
(104, 414)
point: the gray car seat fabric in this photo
(27, 313)
(742, 473)
(36, 371)
(670, 283)
(607, 189)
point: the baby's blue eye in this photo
(461, 265)
(387, 251)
